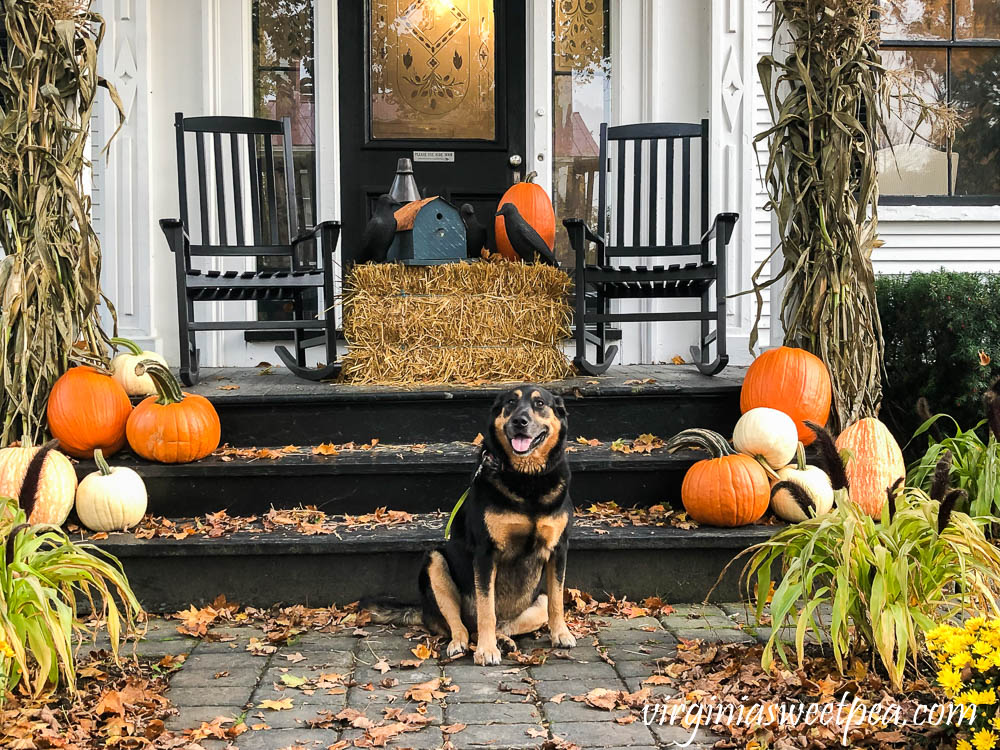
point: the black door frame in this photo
(511, 34)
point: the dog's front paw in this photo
(562, 638)
(457, 646)
(487, 654)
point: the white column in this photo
(733, 164)
(121, 197)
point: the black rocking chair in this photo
(598, 283)
(250, 143)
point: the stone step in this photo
(262, 568)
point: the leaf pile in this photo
(611, 514)
(116, 706)
(720, 674)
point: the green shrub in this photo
(935, 324)
(44, 576)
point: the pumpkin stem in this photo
(102, 464)
(530, 177)
(126, 344)
(168, 390)
(705, 440)
(800, 456)
(767, 467)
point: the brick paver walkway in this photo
(509, 706)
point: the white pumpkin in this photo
(768, 435)
(814, 485)
(56, 486)
(110, 499)
(123, 368)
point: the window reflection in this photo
(581, 102)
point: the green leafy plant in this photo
(44, 577)
(935, 326)
(886, 581)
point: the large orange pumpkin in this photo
(172, 427)
(876, 462)
(729, 489)
(535, 206)
(793, 381)
(88, 409)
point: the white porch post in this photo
(733, 164)
(121, 176)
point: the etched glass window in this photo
(433, 69)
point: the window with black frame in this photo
(952, 49)
(283, 76)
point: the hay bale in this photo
(455, 323)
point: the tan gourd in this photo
(56, 486)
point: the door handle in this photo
(515, 160)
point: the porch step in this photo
(416, 478)
(265, 568)
(269, 406)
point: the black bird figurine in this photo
(475, 233)
(527, 243)
(379, 232)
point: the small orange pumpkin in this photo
(535, 206)
(874, 465)
(791, 380)
(172, 427)
(730, 489)
(88, 409)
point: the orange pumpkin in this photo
(534, 204)
(729, 489)
(88, 409)
(172, 427)
(875, 463)
(793, 381)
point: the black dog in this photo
(512, 528)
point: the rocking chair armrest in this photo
(588, 234)
(169, 227)
(723, 224)
(316, 231)
(320, 231)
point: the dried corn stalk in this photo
(825, 91)
(50, 269)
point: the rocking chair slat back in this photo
(239, 188)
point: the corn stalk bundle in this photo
(51, 264)
(455, 323)
(827, 94)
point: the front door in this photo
(441, 82)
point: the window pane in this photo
(977, 19)
(283, 87)
(975, 93)
(918, 162)
(432, 69)
(916, 19)
(581, 102)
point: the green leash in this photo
(461, 500)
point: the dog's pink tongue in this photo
(521, 444)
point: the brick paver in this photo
(509, 706)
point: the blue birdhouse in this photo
(428, 232)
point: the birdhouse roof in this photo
(406, 215)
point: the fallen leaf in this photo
(284, 704)
(453, 728)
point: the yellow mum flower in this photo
(982, 648)
(974, 624)
(950, 679)
(984, 739)
(5, 650)
(985, 664)
(963, 745)
(962, 659)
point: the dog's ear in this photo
(498, 404)
(559, 406)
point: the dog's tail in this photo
(389, 612)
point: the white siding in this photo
(762, 243)
(926, 238)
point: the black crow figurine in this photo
(527, 243)
(475, 233)
(379, 232)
